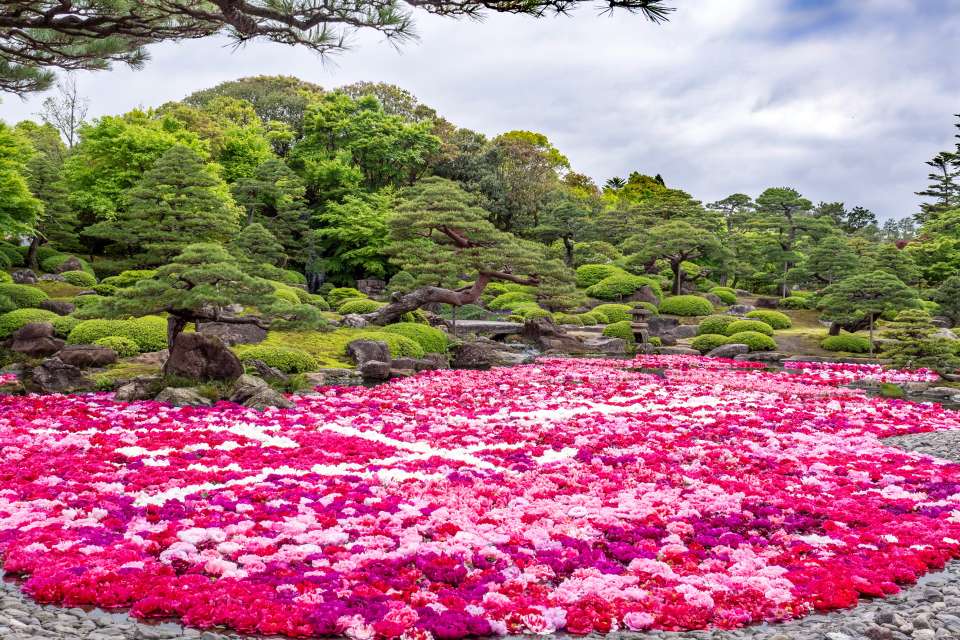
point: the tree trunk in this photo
(677, 277)
(871, 335)
(175, 326)
(834, 329)
(31, 257)
(423, 296)
(568, 248)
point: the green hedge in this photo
(622, 329)
(795, 302)
(715, 325)
(13, 320)
(79, 278)
(534, 313)
(846, 342)
(740, 326)
(124, 347)
(400, 346)
(726, 294)
(613, 312)
(588, 275)
(286, 359)
(339, 295)
(432, 340)
(510, 299)
(687, 305)
(775, 319)
(754, 340)
(23, 296)
(622, 285)
(148, 332)
(707, 342)
(358, 305)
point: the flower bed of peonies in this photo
(577, 495)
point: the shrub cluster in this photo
(754, 340)
(510, 300)
(149, 332)
(23, 296)
(79, 278)
(776, 319)
(621, 285)
(358, 305)
(63, 325)
(432, 340)
(129, 278)
(726, 294)
(286, 359)
(124, 347)
(795, 302)
(400, 346)
(51, 263)
(13, 320)
(588, 275)
(686, 305)
(339, 295)
(846, 342)
(607, 313)
(715, 325)
(707, 342)
(622, 329)
(740, 326)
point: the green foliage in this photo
(846, 342)
(509, 300)
(726, 294)
(130, 277)
(588, 275)
(775, 319)
(22, 295)
(947, 296)
(104, 289)
(914, 343)
(400, 346)
(890, 390)
(686, 305)
(612, 312)
(707, 342)
(124, 347)
(754, 340)
(621, 329)
(649, 306)
(256, 244)
(351, 237)
(716, 324)
(148, 332)
(13, 320)
(859, 298)
(591, 319)
(757, 326)
(656, 341)
(535, 313)
(51, 263)
(286, 293)
(401, 282)
(431, 339)
(359, 305)
(286, 359)
(795, 302)
(617, 287)
(79, 278)
(568, 318)
(339, 295)
(678, 242)
(6, 304)
(63, 325)
(19, 208)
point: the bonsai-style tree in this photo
(256, 244)
(856, 302)
(442, 238)
(916, 345)
(198, 286)
(676, 242)
(831, 260)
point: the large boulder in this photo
(375, 370)
(944, 334)
(245, 387)
(729, 351)
(768, 303)
(546, 335)
(772, 357)
(88, 355)
(36, 340)
(232, 334)
(142, 388)
(53, 375)
(429, 362)
(659, 325)
(484, 353)
(362, 351)
(741, 309)
(266, 398)
(941, 321)
(52, 277)
(70, 264)
(24, 276)
(183, 397)
(201, 357)
(371, 286)
(59, 307)
(606, 346)
(268, 373)
(644, 294)
(713, 298)
(354, 321)
(684, 331)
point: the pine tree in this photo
(947, 296)
(944, 187)
(179, 201)
(856, 302)
(916, 345)
(829, 261)
(257, 245)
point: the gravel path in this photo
(930, 610)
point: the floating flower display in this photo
(569, 495)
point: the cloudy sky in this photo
(842, 99)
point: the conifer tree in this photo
(916, 345)
(257, 245)
(274, 196)
(856, 302)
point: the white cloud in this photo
(731, 95)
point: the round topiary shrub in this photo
(285, 292)
(846, 342)
(568, 318)
(687, 305)
(432, 340)
(359, 305)
(754, 340)
(613, 312)
(508, 301)
(400, 346)
(87, 300)
(533, 314)
(795, 302)
(104, 289)
(775, 319)
(286, 359)
(79, 278)
(622, 329)
(716, 325)
(63, 325)
(588, 275)
(22, 295)
(707, 342)
(124, 347)
(129, 278)
(590, 319)
(726, 294)
(6, 304)
(621, 285)
(13, 320)
(739, 326)
(339, 295)
(148, 332)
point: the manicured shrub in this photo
(6, 304)
(22, 295)
(148, 332)
(510, 300)
(588, 275)
(739, 326)
(432, 340)
(400, 346)
(129, 277)
(649, 306)
(795, 302)
(401, 282)
(285, 293)
(313, 299)
(726, 294)
(339, 295)
(716, 324)
(104, 289)
(5, 278)
(51, 264)
(775, 319)
(286, 359)
(613, 312)
(13, 320)
(358, 305)
(890, 390)
(621, 285)
(63, 325)
(79, 278)
(591, 319)
(87, 300)
(847, 342)
(124, 347)
(687, 305)
(533, 314)
(568, 318)
(655, 341)
(754, 340)
(707, 342)
(622, 329)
